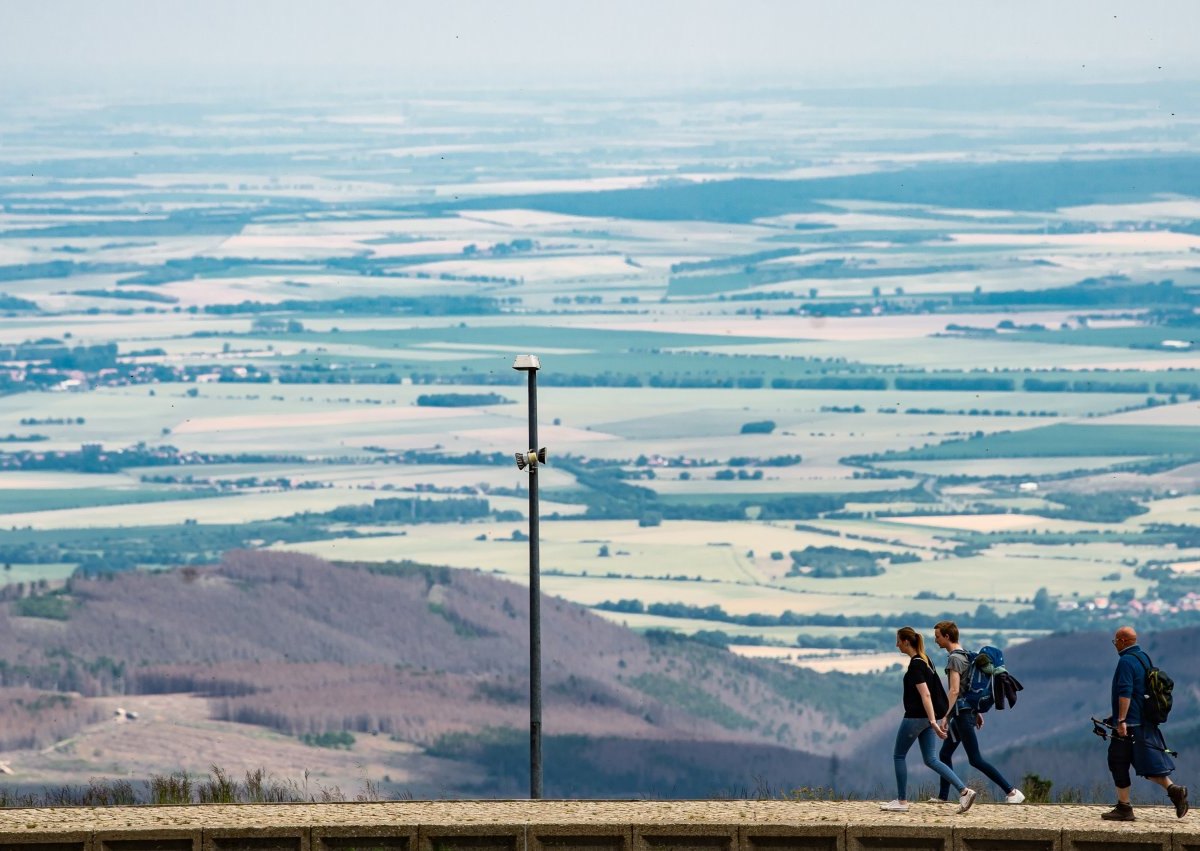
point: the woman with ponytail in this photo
(925, 702)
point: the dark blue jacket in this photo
(1129, 680)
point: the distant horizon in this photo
(127, 86)
(128, 47)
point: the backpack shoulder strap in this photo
(933, 674)
(1146, 661)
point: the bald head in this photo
(1124, 637)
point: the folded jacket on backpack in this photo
(1005, 687)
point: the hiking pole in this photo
(1101, 729)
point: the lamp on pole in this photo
(529, 460)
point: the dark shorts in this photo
(1142, 754)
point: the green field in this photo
(56, 500)
(782, 635)
(1139, 337)
(1066, 440)
(14, 572)
(1032, 466)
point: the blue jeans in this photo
(962, 729)
(918, 730)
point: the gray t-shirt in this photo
(958, 662)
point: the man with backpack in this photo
(1141, 699)
(965, 716)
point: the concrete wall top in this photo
(991, 818)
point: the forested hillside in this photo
(438, 658)
(430, 656)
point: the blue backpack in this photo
(983, 666)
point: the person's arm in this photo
(1124, 689)
(952, 680)
(927, 702)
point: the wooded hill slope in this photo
(438, 657)
(432, 656)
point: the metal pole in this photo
(535, 610)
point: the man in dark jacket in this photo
(1136, 741)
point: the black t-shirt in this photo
(918, 672)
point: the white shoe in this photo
(895, 806)
(966, 799)
(936, 801)
(1016, 796)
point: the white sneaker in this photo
(966, 799)
(895, 806)
(1016, 796)
(936, 801)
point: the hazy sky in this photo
(606, 42)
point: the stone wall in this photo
(592, 826)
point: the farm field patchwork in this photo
(848, 362)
